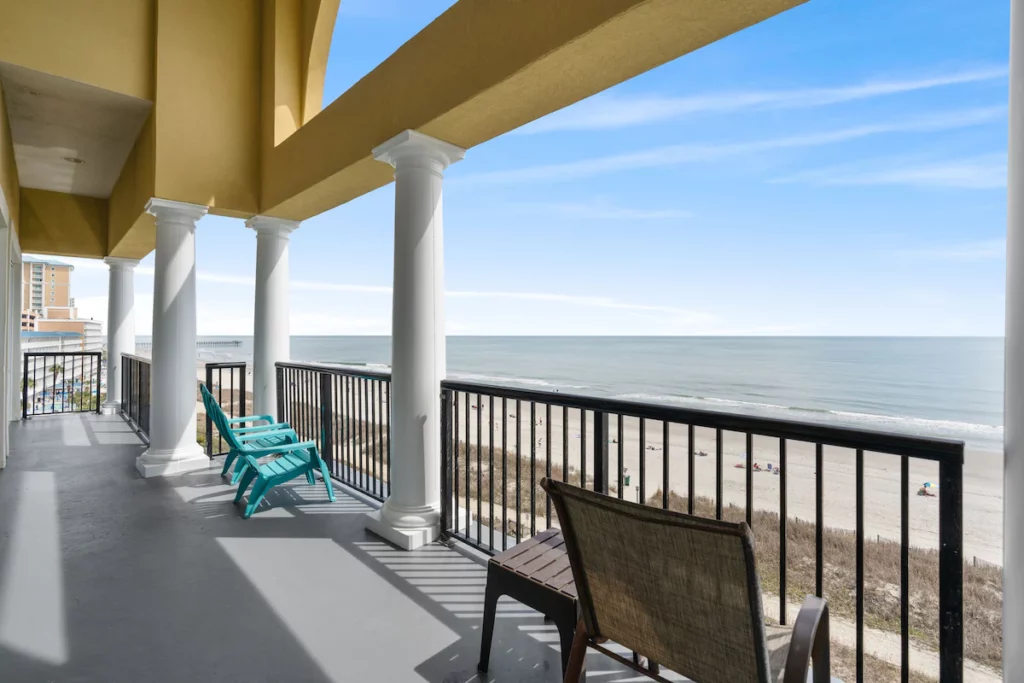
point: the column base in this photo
(404, 538)
(166, 463)
(111, 408)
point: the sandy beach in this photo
(983, 493)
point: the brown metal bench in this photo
(535, 572)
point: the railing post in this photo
(326, 420)
(145, 392)
(279, 371)
(24, 392)
(951, 570)
(99, 371)
(600, 452)
(133, 405)
(243, 407)
(126, 386)
(446, 464)
(209, 419)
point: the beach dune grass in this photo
(982, 584)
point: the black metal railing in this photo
(497, 444)
(61, 382)
(135, 393)
(229, 378)
(347, 412)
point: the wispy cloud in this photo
(977, 173)
(597, 210)
(605, 111)
(680, 314)
(675, 155)
(981, 250)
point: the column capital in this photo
(172, 210)
(272, 225)
(411, 145)
(117, 263)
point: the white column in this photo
(120, 325)
(15, 359)
(411, 515)
(271, 336)
(172, 420)
(8, 397)
(1013, 465)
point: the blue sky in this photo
(839, 169)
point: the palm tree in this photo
(56, 369)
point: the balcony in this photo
(107, 576)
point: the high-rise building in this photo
(49, 306)
(46, 288)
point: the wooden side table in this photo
(535, 572)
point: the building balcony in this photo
(106, 575)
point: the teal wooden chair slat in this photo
(270, 434)
(297, 458)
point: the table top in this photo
(541, 559)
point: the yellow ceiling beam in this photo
(318, 18)
(234, 79)
(281, 87)
(207, 110)
(296, 41)
(107, 44)
(482, 69)
(63, 224)
(9, 187)
(131, 232)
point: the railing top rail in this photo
(132, 356)
(347, 370)
(226, 364)
(63, 353)
(927, 448)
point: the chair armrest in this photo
(245, 458)
(259, 428)
(283, 448)
(810, 641)
(250, 418)
(264, 435)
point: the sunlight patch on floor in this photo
(32, 619)
(290, 573)
(73, 433)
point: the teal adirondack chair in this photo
(296, 459)
(270, 434)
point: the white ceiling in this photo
(53, 119)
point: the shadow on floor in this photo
(105, 576)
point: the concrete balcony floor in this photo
(106, 577)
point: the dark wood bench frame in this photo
(536, 572)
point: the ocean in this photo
(945, 387)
